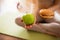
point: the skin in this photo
(49, 28)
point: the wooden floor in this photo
(5, 37)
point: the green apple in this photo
(28, 19)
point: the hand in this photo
(51, 28)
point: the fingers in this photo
(28, 26)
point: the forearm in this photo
(52, 29)
(55, 7)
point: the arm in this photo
(55, 6)
(51, 28)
